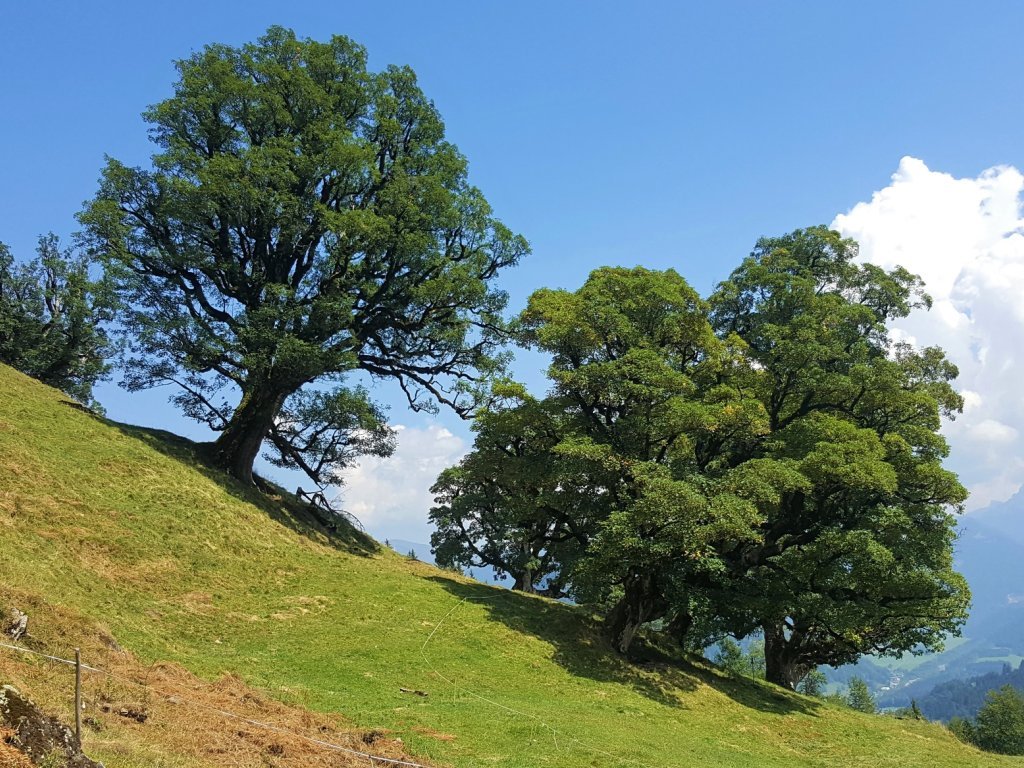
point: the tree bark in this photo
(525, 576)
(781, 663)
(236, 449)
(524, 582)
(639, 604)
(680, 626)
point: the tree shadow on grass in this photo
(278, 504)
(581, 649)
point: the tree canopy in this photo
(635, 366)
(303, 219)
(999, 726)
(508, 505)
(813, 684)
(854, 554)
(767, 461)
(52, 318)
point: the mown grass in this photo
(125, 527)
(161, 714)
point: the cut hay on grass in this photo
(162, 705)
(9, 756)
(118, 532)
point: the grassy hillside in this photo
(115, 537)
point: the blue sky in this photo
(663, 134)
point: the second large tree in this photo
(769, 461)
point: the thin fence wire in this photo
(178, 699)
(555, 733)
(47, 656)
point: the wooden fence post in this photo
(78, 696)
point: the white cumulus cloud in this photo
(991, 431)
(391, 496)
(965, 237)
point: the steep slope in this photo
(125, 533)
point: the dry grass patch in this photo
(131, 709)
(9, 756)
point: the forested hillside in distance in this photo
(963, 698)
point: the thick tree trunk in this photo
(525, 577)
(639, 604)
(238, 445)
(524, 582)
(781, 664)
(679, 628)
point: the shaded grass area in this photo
(580, 649)
(129, 529)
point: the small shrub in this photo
(912, 712)
(1000, 723)
(859, 697)
(813, 684)
(729, 657)
(963, 730)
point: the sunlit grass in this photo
(126, 528)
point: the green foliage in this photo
(730, 657)
(913, 712)
(813, 684)
(303, 219)
(963, 729)
(635, 369)
(859, 697)
(836, 699)
(597, 482)
(755, 658)
(316, 431)
(768, 461)
(854, 554)
(51, 319)
(1000, 723)
(999, 726)
(507, 505)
